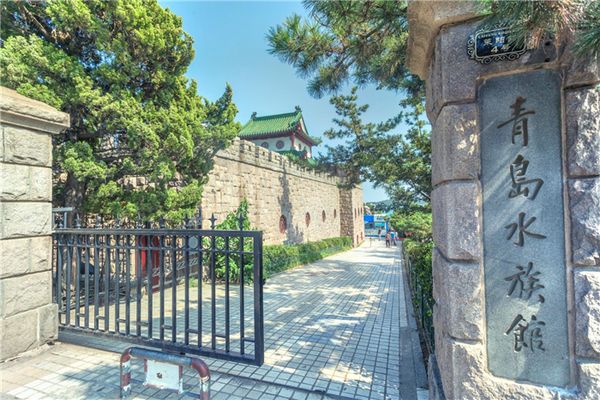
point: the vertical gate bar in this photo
(139, 279)
(174, 289)
(213, 293)
(242, 315)
(161, 285)
(127, 284)
(96, 282)
(77, 280)
(259, 338)
(186, 302)
(68, 276)
(227, 328)
(149, 268)
(59, 269)
(107, 283)
(117, 277)
(86, 316)
(199, 288)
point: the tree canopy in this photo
(341, 41)
(117, 68)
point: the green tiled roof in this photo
(273, 124)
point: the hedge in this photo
(281, 257)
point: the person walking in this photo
(388, 239)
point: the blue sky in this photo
(230, 45)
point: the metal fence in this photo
(182, 288)
(423, 302)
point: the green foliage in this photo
(360, 41)
(418, 249)
(399, 163)
(235, 221)
(278, 258)
(417, 223)
(117, 68)
(534, 20)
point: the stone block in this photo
(456, 227)
(18, 334)
(16, 109)
(460, 299)
(587, 314)
(584, 201)
(25, 255)
(23, 146)
(455, 148)
(23, 182)
(48, 323)
(582, 71)
(25, 292)
(583, 132)
(459, 73)
(589, 380)
(19, 219)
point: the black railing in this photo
(423, 302)
(184, 289)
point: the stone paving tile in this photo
(332, 330)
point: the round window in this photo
(265, 145)
(307, 219)
(282, 224)
(323, 215)
(279, 144)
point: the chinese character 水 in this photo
(521, 226)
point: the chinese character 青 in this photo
(525, 282)
(519, 127)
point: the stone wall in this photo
(439, 32)
(275, 187)
(28, 318)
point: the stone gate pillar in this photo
(516, 209)
(28, 318)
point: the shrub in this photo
(281, 257)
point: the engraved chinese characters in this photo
(523, 228)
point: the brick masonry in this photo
(28, 318)
(439, 31)
(275, 187)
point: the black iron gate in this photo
(186, 289)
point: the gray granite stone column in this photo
(28, 319)
(437, 53)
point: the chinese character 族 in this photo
(525, 282)
(527, 334)
(519, 127)
(528, 188)
(521, 226)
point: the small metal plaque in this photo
(497, 44)
(164, 376)
(523, 228)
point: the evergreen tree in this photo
(117, 68)
(400, 163)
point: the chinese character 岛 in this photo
(522, 226)
(519, 127)
(525, 282)
(520, 184)
(527, 334)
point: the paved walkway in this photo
(338, 328)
